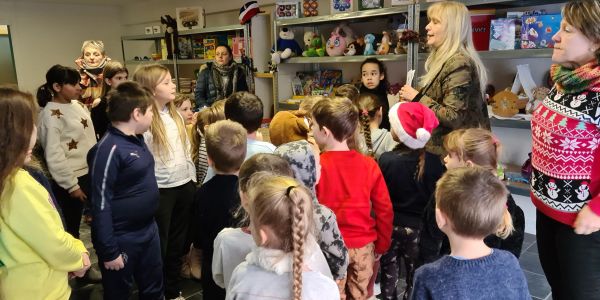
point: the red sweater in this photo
(566, 156)
(352, 186)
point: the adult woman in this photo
(36, 253)
(90, 65)
(565, 181)
(219, 79)
(455, 81)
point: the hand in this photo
(78, 194)
(85, 257)
(116, 264)
(407, 93)
(378, 256)
(587, 221)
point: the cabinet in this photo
(146, 45)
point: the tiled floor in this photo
(538, 286)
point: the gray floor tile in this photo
(531, 262)
(538, 286)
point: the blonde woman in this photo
(174, 170)
(455, 78)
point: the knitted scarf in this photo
(569, 81)
(218, 72)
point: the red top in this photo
(566, 157)
(352, 186)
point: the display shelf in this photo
(342, 59)
(519, 124)
(263, 75)
(349, 16)
(508, 54)
(184, 33)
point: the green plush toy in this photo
(316, 47)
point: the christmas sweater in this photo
(565, 157)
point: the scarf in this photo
(229, 71)
(569, 81)
(300, 156)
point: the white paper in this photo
(409, 77)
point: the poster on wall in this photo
(189, 18)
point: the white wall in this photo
(47, 34)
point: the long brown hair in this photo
(111, 69)
(18, 114)
(149, 76)
(285, 206)
(475, 144)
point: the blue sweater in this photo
(496, 276)
(124, 193)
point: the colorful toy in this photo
(356, 47)
(341, 6)
(310, 8)
(384, 46)
(537, 31)
(315, 46)
(286, 46)
(341, 36)
(369, 40)
(405, 36)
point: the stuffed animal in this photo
(384, 46)
(356, 47)
(316, 45)
(341, 36)
(369, 40)
(405, 36)
(286, 46)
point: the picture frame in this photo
(287, 10)
(369, 4)
(341, 6)
(189, 18)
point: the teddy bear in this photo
(314, 45)
(286, 46)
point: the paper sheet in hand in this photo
(409, 77)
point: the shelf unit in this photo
(239, 30)
(508, 123)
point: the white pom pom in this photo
(423, 135)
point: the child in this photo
(36, 252)
(124, 197)
(218, 198)
(466, 148)
(246, 109)
(184, 107)
(349, 91)
(288, 126)
(374, 81)
(377, 140)
(407, 174)
(280, 211)
(352, 186)
(205, 117)
(66, 133)
(470, 205)
(114, 73)
(303, 158)
(174, 170)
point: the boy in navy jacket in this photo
(124, 197)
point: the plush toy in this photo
(384, 46)
(356, 47)
(369, 40)
(341, 36)
(286, 46)
(315, 46)
(171, 35)
(405, 36)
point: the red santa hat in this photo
(248, 10)
(412, 122)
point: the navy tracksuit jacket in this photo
(124, 197)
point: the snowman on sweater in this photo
(552, 189)
(583, 192)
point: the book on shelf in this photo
(198, 47)
(210, 45)
(185, 47)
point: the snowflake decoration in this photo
(571, 144)
(594, 144)
(538, 131)
(547, 137)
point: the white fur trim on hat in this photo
(422, 134)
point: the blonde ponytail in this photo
(299, 232)
(506, 227)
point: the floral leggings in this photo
(405, 245)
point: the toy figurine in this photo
(356, 47)
(384, 46)
(316, 45)
(286, 46)
(369, 40)
(341, 36)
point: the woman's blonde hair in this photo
(150, 76)
(585, 15)
(284, 206)
(474, 200)
(475, 144)
(456, 21)
(207, 116)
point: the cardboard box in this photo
(537, 31)
(480, 21)
(505, 34)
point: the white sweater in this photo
(177, 167)
(66, 133)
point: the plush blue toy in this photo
(369, 41)
(286, 46)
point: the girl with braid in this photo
(280, 210)
(377, 140)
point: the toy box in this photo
(480, 21)
(185, 47)
(537, 31)
(209, 48)
(505, 34)
(316, 83)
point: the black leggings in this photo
(71, 207)
(570, 261)
(405, 245)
